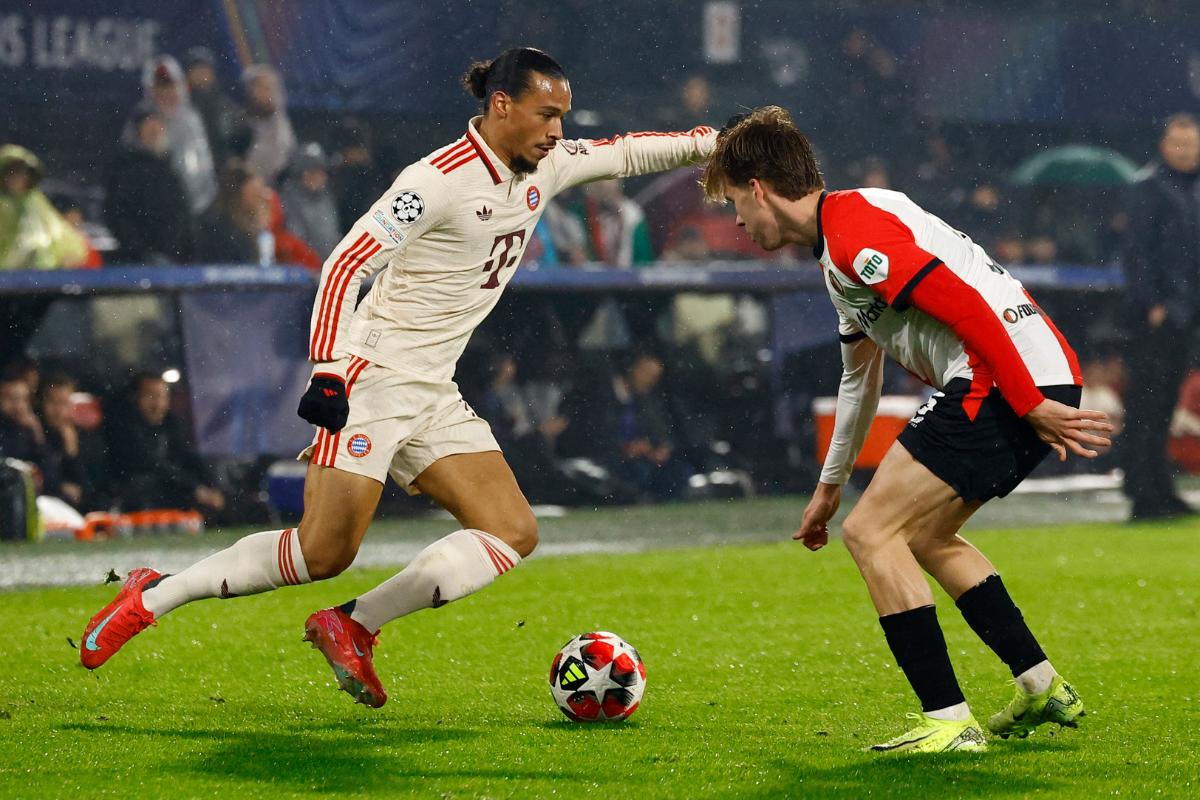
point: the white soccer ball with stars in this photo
(597, 677)
(407, 207)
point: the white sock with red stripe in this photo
(452, 567)
(257, 563)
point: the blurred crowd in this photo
(206, 173)
(211, 173)
(129, 453)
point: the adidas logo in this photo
(484, 214)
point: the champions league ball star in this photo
(597, 677)
(407, 207)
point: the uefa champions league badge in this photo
(359, 445)
(533, 198)
(407, 207)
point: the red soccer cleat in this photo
(119, 621)
(347, 647)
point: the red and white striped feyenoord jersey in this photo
(450, 232)
(934, 301)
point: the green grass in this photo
(768, 674)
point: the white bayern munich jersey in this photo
(934, 301)
(446, 239)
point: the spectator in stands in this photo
(1041, 250)
(308, 201)
(615, 226)
(21, 435)
(234, 228)
(357, 179)
(61, 460)
(220, 115)
(153, 464)
(246, 224)
(934, 182)
(626, 427)
(272, 140)
(147, 208)
(26, 370)
(688, 244)
(529, 441)
(289, 248)
(873, 174)
(694, 106)
(166, 92)
(1162, 278)
(72, 212)
(33, 235)
(559, 238)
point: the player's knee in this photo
(857, 536)
(325, 563)
(326, 556)
(520, 532)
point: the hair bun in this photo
(475, 79)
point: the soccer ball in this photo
(597, 677)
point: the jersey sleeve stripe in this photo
(460, 146)
(483, 157)
(327, 295)
(469, 157)
(339, 284)
(850, 338)
(355, 371)
(901, 303)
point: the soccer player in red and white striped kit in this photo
(445, 240)
(907, 285)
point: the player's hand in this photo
(325, 404)
(1065, 428)
(814, 525)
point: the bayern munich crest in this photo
(407, 207)
(359, 445)
(533, 198)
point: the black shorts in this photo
(982, 458)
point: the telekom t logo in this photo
(511, 241)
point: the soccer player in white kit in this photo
(445, 240)
(906, 284)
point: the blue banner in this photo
(81, 53)
(247, 365)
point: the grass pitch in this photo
(768, 674)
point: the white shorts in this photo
(399, 424)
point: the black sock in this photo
(348, 607)
(920, 649)
(994, 617)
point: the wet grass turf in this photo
(767, 676)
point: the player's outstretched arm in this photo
(583, 160)
(814, 525)
(1065, 428)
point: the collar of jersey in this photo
(819, 247)
(491, 162)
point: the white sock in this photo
(1037, 678)
(256, 563)
(955, 713)
(452, 567)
